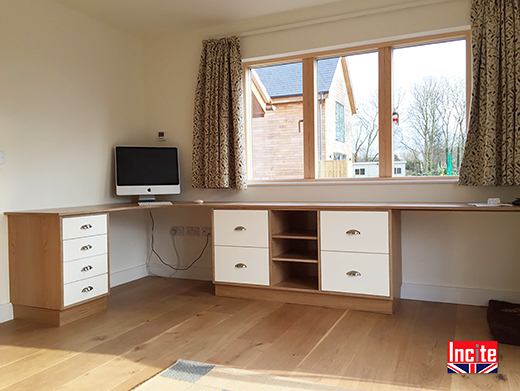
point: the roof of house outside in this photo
(286, 79)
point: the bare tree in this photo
(366, 127)
(435, 124)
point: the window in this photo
(346, 116)
(429, 97)
(340, 123)
(277, 122)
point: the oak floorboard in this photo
(383, 350)
(328, 361)
(38, 371)
(276, 324)
(249, 345)
(91, 331)
(151, 323)
(289, 350)
(425, 363)
(472, 326)
(117, 370)
(183, 343)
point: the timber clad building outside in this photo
(278, 120)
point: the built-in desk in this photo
(345, 255)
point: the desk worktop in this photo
(405, 206)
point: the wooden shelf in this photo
(305, 235)
(299, 283)
(297, 256)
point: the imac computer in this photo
(147, 171)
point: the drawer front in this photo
(79, 291)
(339, 273)
(354, 231)
(242, 265)
(84, 247)
(77, 227)
(241, 228)
(85, 268)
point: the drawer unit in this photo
(248, 228)
(82, 290)
(59, 271)
(84, 247)
(242, 265)
(367, 274)
(85, 268)
(77, 227)
(354, 231)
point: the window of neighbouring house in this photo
(358, 114)
(340, 122)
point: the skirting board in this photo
(455, 295)
(127, 275)
(6, 312)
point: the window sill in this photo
(358, 181)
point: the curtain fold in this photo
(492, 153)
(218, 160)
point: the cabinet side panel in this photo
(35, 267)
(395, 254)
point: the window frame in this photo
(386, 153)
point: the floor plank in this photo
(151, 323)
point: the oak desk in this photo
(59, 258)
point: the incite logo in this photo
(472, 357)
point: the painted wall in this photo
(71, 88)
(444, 254)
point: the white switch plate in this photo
(1, 157)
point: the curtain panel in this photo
(492, 153)
(218, 160)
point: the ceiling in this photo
(148, 17)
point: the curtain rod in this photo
(341, 17)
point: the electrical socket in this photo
(192, 231)
(205, 231)
(177, 231)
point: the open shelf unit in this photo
(294, 249)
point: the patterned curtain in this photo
(218, 122)
(492, 153)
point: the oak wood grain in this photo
(151, 323)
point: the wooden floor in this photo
(152, 322)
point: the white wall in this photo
(71, 88)
(171, 63)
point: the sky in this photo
(410, 64)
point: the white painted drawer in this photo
(84, 247)
(78, 291)
(354, 231)
(242, 265)
(85, 268)
(241, 228)
(77, 227)
(374, 269)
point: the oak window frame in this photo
(310, 129)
